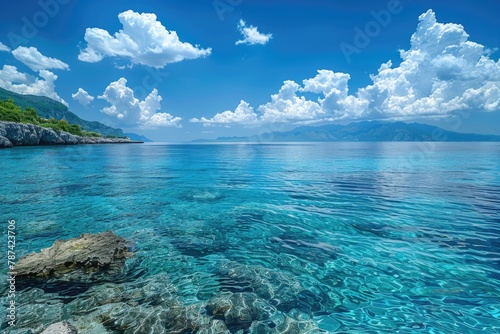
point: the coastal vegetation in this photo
(48, 108)
(11, 112)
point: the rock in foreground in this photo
(80, 259)
(60, 328)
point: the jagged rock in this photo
(87, 140)
(20, 134)
(62, 327)
(68, 138)
(50, 137)
(100, 140)
(78, 259)
(5, 143)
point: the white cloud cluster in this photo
(36, 61)
(288, 106)
(129, 110)
(22, 83)
(4, 47)
(143, 40)
(82, 97)
(442, 73)
(243, 114)
(251, 35)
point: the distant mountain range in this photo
(47, 108)
(362, 131)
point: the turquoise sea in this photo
(320, 237)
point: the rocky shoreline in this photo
(20, 134)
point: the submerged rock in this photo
(144, 319)
(154, 291)
(280, 288)
(287, 325)
(145, 306)
(77, 259)
(215, 327)
(137, 320)
(35, 309)
(239, 310)
(63, 327)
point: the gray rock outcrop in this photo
(50, 137)
(68, 138)
(4, 142)
(20, 134)
(85, 259)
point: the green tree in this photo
(10, 112)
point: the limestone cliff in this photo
(20, 134)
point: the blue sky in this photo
(205, 68)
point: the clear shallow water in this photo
(353, 237)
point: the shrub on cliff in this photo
(10, 112)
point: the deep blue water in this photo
(378, 237)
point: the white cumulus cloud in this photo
(4, 47)
(288, 106)
(129, 110)
(22, 83)
(251, 35)
(82, 97)
(36, 61)
(143, 40)
(243, 114)
(442, 73)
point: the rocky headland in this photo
(20, 134)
